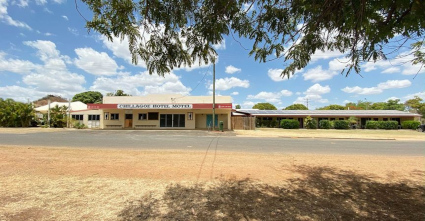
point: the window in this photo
(106, 115)
(267, 118)
(375, 119)
(77, 116)
(332, 119)
(94, 117)
(153, 116)
(172, 120)
(143, 117)
(115, 116)
(341, 118)
(385, 119)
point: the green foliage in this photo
(352, 120)
(15, 114)
(89, 97)
(182, 32)
(264, 106)
(310, 123)
(341, 124)
(238, 106)
(332, 107)
(118, 93)
(416, 105)
(58, 116)
(78, 125)
(296, 107)
(289, 124)
(383, 125)
(410, 124)
(324, 124)
(371, 124)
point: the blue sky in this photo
(45, 49)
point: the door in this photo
(209, 120)
(301, 120)
(128, 120)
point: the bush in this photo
(371, 124)
(290, 124)
(310, 123)
(341, 124)
(410, 124)
(325, 124)
(384, 125)
(388, 125)
(77, 125)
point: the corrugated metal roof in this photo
(327, 113)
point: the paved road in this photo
(201, 140)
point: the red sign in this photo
(194, 106)
(101, 106)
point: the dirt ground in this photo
(95, 184)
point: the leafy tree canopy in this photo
(118, 93)
(296, 107)
(15, 114)
(89, 97)
(416, 105)
(332, 107)
(238, 106)
(264, 106)
(167, 34)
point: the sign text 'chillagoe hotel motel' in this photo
(154, 106)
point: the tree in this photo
(394, 105)
(238, 106)
(296, 107)
(15, 114)
(118, 93)
(264, 106)
(168, 34)
(332, 107)
(89, 97)
(416, 105)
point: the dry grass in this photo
(342, 134)
(96, 184)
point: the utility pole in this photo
(307, 102)
(48, 113)
(213, 116)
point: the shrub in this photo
(388, 125)
(77, 125)
(290, 124)
(371, 124)
(410, 124)
(325, 124)
(310, 123)
(341, 124)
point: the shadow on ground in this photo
(324, 194)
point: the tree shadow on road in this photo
(324, 194)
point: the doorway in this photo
(128, 121)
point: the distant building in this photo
(156, 111)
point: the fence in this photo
(243, 123)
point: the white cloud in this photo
(235, 93)
(17, 66)
(275, 75)
(318, 89)
(338, 64)
(52, 77)
(224, 84)
(220, 46)
(311, 99)
(142, 84)
(390, 84)
(273, 97)
(359, 90)
(411, 96)
(96, 63)
(318, 74)
(247, 6)
(73, 31)
(391, 70)
(325, 55)
(248, 104)
(21, 3)
(65, 17)
(394, 84)
(5, 18)
(40, 2)
(391, 98)
(231, 69)
(22, 94)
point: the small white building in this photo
(156, 111)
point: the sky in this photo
(46, 49)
